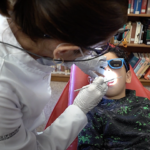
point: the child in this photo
(121, 121)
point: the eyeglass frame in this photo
(123, 62)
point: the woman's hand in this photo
(88, 98)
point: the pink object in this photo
(77, 80)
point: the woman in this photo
(35, 34)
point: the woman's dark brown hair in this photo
(81, 22)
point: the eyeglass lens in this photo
(116, 63)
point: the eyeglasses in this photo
(102, 49)
(117, 63)
(99, 50)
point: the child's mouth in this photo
(110, 83)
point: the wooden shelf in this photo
(138, 15)
(60, 77)
(65, 78)
(145, 82)
(135, 45)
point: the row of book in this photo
(60, 69)
(139, 32)
(140, 63)
(138, 6)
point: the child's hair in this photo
(120, 53)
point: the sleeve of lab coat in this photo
(14, 136)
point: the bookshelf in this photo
(145, 82)
(65, 78)
(138, 15)
(131, 47)
(136, 45)
(60, 77)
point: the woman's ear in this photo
(128, 77)
(64, 51)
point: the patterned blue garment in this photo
(122, 124)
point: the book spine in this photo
(128, 27)
(137, 6)
(142, 67)
(144, 70)
(141, 30)
(123, 35)
(132, 6)
(144, 7)
(137, 63)
(133, 32)
(115, 40)
(142, 37)
(139, 66)
(147, 75)
(145, 28)
(130, 34)
(129, 6)
(148, 7)
(137, 33)
(148, 37)
(133, 61)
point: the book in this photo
(147, 75)
(139, 59)
(137, 32)
(145, 29)
(137, 6)
(132, 6)
(133, 32)
(123, 35)
(142, 73)
(115, 40)
(146, 67)
(148, 7)
(144, 7)
(60, 69)
(140, 36)
(146, 61)
(129, 34)
(139, 64)
(136, 63)
(129, 6)
(133, 60)
(148, 37)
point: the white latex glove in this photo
(89, 97)
(89, 66)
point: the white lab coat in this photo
(24, 91)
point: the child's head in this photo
(117, 66)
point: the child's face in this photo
(116, 88)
